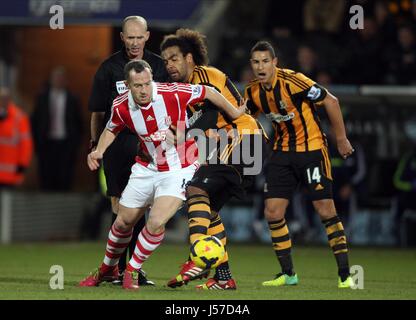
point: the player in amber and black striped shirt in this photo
(186, 59)
(300, 155)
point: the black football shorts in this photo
(286, 171)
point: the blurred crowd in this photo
(315, 37)
(53, 130)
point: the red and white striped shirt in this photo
(150, 123)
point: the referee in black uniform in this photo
(108, 84)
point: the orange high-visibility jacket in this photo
(16, 146)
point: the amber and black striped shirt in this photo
(213, 77)
(290, 105)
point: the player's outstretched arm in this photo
(333, 110)
(218, 99)
(106, 138)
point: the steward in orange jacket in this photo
(16, 146)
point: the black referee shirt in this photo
(109, 79)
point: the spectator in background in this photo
(364, 65)
(413, 14)
(240, 12)
(400, 9)
(57, 131)
(385, 22)
(307, 61)
(284, 21)
(15, 141)
(405, 176)
(324, 77)
(323, 16)
(402, 60)
(246, 75)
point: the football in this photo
(207, 252)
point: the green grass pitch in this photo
(388, 273)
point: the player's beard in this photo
(177, 76)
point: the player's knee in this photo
(274, 213)
(115, 204)
(191, 191)
(122, 224)
(325, 208)
(156, 224)
(275, 209)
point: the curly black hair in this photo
(188, 41)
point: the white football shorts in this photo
(145, 185)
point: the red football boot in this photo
(189, 271)
(213, 284)
(96, 277)
(131, 280)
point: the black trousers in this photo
(56, 163)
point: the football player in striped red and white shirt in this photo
(153, 121)
(149, 109)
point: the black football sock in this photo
(338, 242)
(282, 245)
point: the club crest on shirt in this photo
(197, 90)
(168, 120)
(121, 87)
(314, 93)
